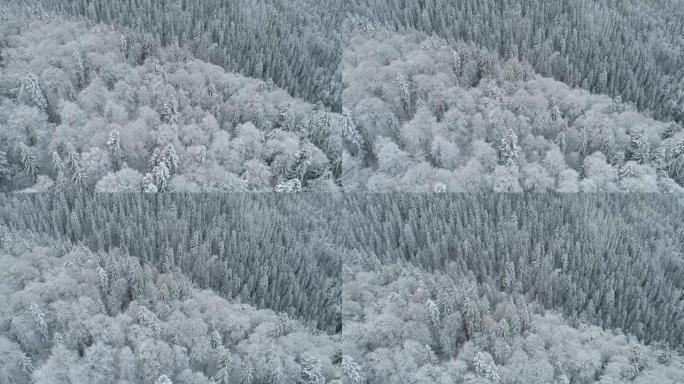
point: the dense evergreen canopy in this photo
(294, 43)
(433, 288)
(268, 250)
(628, 48)
(612, 260)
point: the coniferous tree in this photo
(351, 371)
(508, 147)
(311, 372)
(29, 162)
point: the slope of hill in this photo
(73, 316)
(426, 115)
(633, 48)
(616, 261)
(81, 108)
(270, 250)
(403, 325)
(294, 43)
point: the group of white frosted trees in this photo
(83, 115)
(415, 121)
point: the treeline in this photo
(269, 251)
(295, 43)
(611, 260)
(631, 49)
(422, 115)
(84, 108)
(406, 325)
(73, 316)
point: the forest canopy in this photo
(294, 44)
(512, 288)
(423, 114)
(266, 249)
(611, 260)
(73, 316)
(628, 48)
(152, 153)
(83, 107)
(405, 325)
(474, 288)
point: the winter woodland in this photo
(344, 192)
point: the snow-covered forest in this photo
(293, 43)
(268, 250)
(506, 288)
(71, 315)
(403, 325)
(342, 192)
(613, 260)
(99, 97)
(86, 107)
(424, 115)
(630, 48)
(379, 288)
(188, 288)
